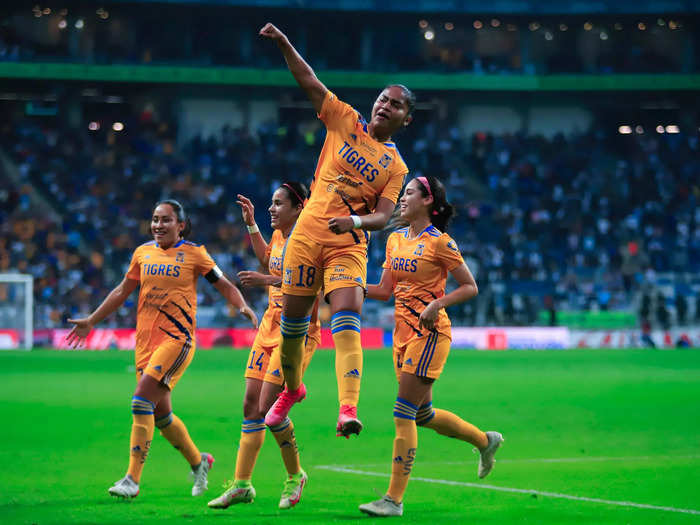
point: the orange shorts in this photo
(309, 266)
(264, 361)
(423, 357)
(166, 363)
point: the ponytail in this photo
(441, 211)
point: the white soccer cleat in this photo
(232, 496)
(486, 454)
(383, 507)
(124, 488)
(293, 486)
(200, 474)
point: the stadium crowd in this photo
(580, 222)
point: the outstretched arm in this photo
(301, 71)
(82, 327)
(234, 297)
(383, 290)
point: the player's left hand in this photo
(429, 315)
(340, 225)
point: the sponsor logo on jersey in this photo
(385, 161)
(452, 246)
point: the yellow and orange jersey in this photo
(353, 171)
(269, 330)
(167, 307)
(419, 269)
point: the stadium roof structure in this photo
(513, 7)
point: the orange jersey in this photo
(269, 330)
(353, 171)
(168, 291)
(419, 270)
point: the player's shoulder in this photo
(276, 237)
(146, 246)
(188, 245)
(445, 241)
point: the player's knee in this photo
(404, 411)
(142, 406)
(164, 421)
(425, 414)
(251, 407)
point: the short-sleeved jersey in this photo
(353, 171)
(275, 250)
(168, 291)
(419, 269)
(273, 314)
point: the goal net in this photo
(16, 311)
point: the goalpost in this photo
(16, 311)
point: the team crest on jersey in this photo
(452, 246)
(180, 257)
(287, 276)
(419, 249)
(385, 161)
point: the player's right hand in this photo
(247, 209)
(246, 311)
(81, 329)
(270, 31)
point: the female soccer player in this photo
(264, 378)
(418, 258)
(166, 270)
(357, 182)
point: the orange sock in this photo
(284, 434)
(345, 327)
(174, 430)
(450, 425)
(252, 438)
(141, 435)
(405, 447)
(292, 349)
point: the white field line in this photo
(591, 459)
(515, 490)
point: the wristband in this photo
(356, 220)
(253, 229)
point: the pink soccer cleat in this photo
(348, 422)
(280, 409)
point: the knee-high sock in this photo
(174, 430)
(284, 434)
(252, 438)
(141, 435)
(405, 446)
(450, 425)
(292, 349)
(345, 327)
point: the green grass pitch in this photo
(597, 436)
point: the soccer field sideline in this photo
(581, 427)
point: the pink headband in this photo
(426, 184)
(295, 193)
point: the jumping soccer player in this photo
(418, 258)
(357, 182)
(166, 270)
(263, 374)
